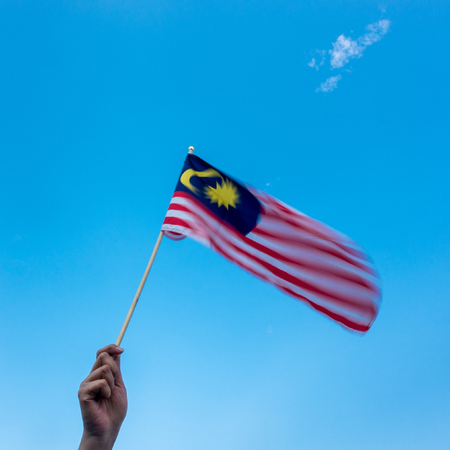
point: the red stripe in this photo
(174, 235)
(178, 207)
(332, 315)
(177, 222)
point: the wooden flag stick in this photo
(138, 293)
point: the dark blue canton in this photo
(243, 216)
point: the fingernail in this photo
(120, 349)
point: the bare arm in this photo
(103, 401)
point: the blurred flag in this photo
(299, 255)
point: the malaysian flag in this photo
(299, 255)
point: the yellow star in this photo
(225, 194)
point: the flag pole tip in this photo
(191, 150)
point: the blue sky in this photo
(99, 101)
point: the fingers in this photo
(114, 361)
(108, 356)
(89, 390)
(102, 373)
(100, 382)
(104, 359)
(111, 349)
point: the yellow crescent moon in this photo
(186, 177)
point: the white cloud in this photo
(376, 32)
(345, 48)
(329, 85)
(271, 183)
(313, 64)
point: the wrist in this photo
(92, 442)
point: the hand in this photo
(103, 401)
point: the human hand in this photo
(103, 401)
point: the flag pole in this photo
(141, 286)
(144, 279)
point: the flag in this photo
(299, 255)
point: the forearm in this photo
(89, 442)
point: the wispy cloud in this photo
(271, 183)
(346, 48)
(329, 85)
(314, 64)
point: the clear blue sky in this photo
(99, 101)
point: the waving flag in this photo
(299, 255)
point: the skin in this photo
(103, 401)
